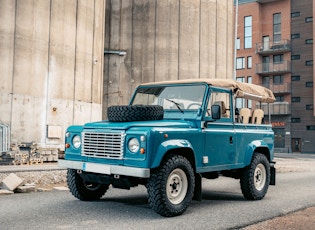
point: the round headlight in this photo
(133, 145)
(76, 141)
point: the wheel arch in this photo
(175, 147)
(259, 147)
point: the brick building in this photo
(275, 49)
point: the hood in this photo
(128, 125)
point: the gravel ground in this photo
(41, 179)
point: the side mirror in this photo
(216, 112)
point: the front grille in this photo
(103, 145)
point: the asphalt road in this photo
(222, 207)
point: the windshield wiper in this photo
(175, 103)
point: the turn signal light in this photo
(67, 145)
(142, 151)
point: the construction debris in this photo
(11, 182)
(25, 188)
(28, 153)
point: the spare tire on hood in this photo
(123, 113)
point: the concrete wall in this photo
(165, 40)
(51, 67)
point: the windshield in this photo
(179, 98)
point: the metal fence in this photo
(4, 138)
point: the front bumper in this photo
(105, 169)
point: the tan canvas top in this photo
(242, 90)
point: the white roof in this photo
(242, 90)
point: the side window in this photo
(222, 99)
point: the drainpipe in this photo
(118, 52)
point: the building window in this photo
(249, 62)
(278, 80)
(279, 98)
(278, 59)
(309, 107)
(295, 57)
(296, 99)
(238, 43)
(310, 128)
(309, 19)
(309, 84)
(279, 137)
(295, 14)
(240, 63)
(309, 63)
(240, 102)
(295, 78)
(249, 102)
(265, 81)
(248, 32)
(309, 41)
(296, 120)
(295, 36)
(277, 27)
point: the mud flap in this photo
(272, 173)
(198, 187)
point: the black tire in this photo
(124, 113)
(83, 190)
(255, 178)
(171, 186)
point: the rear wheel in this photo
(84, 190)
(255, 178)
(171, 186)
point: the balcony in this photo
(277, 108)
(267, 1)
(273, 47)
(273, 68)
(284, 88)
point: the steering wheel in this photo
(193, 104)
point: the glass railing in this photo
(271, 68)
(273, 47)
(279, 88)
(276, 108)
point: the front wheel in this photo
(84, 190)
(171, 186)
(255, 178)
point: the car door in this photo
(220, 134)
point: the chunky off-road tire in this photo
(171, 186)
(83, 190)
(123, 113)
(255, 178)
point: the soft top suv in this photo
(170, 136)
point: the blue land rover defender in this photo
(170, 136)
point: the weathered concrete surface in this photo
(25, 189)
(165, 40)
(51, 54)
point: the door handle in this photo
(231, 140)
